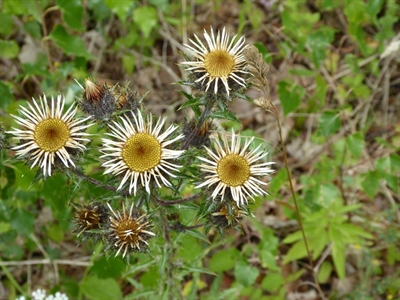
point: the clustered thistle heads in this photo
(102, 101)
(144, 160)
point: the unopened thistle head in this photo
(139, 152)
(49, 135)
(234, 169)
(98, 100)
(227, 215)
(89, 217)
(220, 65)
(129, 231)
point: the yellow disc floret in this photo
(219, 63)
(51, 134)
(142, 152)
(233, 170)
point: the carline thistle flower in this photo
(235, 168)
(139, 152)
(129, 231)
(221, 61)
(49, 134)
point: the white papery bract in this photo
(139, 152)
(236, 168)
(48, 133)
(221, 60)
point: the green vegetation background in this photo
(332, 82)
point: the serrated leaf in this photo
(355, 143)
(96, 288)
(245, 274)
(72, 12)
(70, 44)
(224, 115)
(329, 123)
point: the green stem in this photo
(12, 279)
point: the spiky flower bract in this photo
(139, 152)
(227, 214)
(89, 217)
(48, 134)
(222, 61)
(98, 100)
(128, 231)
(234, 169)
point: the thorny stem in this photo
(112, 188)
(173, 202)
(204, 115)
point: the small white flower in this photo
(236, 168)
(139, 152)
(223, 60)
(48, 133)
(39, 294)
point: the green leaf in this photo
(355, 143)
(9, 49)
(72, 11)
(272, 282)
(370, 183)
(355, 231)
(111, 267)
(329, 122)
(297, 251)
(338, 255)
(56, 233)
(245, 274)
(22, 221)
(224, 260)
(324, 272)
(70, 44)
(198, 270)
(277, 181)
(6, 96)
(224, 115)
(4, 227)
(120, 8)
(264, 52)
(146, 18)
(290, 96)
(7, 24)
(128, 63)
(96, 288)
(318, 42)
